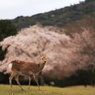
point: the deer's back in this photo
(25, 67)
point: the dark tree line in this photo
(6, 29)
(59, 17)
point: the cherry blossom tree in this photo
(30, 43)
(65, 55)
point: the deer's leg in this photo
(17, 80)
(29, 82)
(10, 79)
(36, 79)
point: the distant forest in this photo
(59, 17)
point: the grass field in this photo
(46, 90)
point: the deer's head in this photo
(43, 59)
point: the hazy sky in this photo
(10, 9)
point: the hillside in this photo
(59, 17)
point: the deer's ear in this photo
(43, 57)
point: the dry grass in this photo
(46, 90)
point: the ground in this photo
(47, 90)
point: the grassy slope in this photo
(79, 90)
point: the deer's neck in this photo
(42, 64)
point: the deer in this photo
(30, 69)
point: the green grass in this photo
(46, 90)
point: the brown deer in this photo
(29, 69)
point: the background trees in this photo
(59, 17)
(6, 29)
(70, 57)
(83, 35)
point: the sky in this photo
(10, 9)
